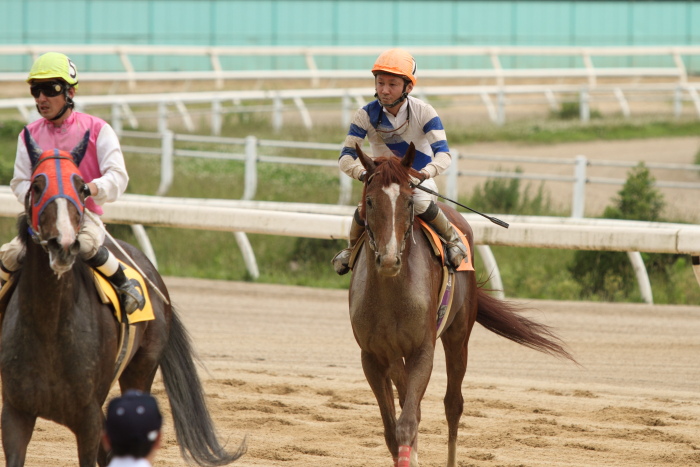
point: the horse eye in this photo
(368, 202)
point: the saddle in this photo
(445, 297)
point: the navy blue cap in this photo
(133, 419)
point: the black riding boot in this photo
(105, 262)
(342, 259)
(456, 251)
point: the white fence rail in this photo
(119, 109)
(329, 222)
(251, 155)
(583, 62)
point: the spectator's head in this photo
(133, 423)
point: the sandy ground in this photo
(283, 370)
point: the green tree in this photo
(608, 275)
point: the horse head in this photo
(56, 200)
(387, 207)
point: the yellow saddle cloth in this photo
(109, 296)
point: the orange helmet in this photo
(396, 62)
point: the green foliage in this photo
(505, 196)
(608, 275)
(9, 130)
(638, 199)
(571, 110)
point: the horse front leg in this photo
(418, 368)
(17, 428)
(380, 383)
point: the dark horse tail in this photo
(504, 319)
(194, 428)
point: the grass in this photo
(526, 272)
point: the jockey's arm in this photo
(115, 178)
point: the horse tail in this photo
(194, 428)
(504, 318)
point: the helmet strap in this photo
(403, 97)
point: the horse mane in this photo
(23, 229)
(388, 170)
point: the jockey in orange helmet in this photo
(391, 123)
(53, 80)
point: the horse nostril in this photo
(75, 248)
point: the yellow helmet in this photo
(54, 65)
(396, 62)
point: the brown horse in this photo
(59, 341)
(394, 298)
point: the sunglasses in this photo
(49, 89)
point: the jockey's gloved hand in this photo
(418, 177)
(86, 190)
(362, 176)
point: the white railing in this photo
(248, 151)
(496, 100)
(251, 157)
(583, 59)
(579, 177)
(291, 219)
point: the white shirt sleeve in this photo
(114, 177)
(21, 179)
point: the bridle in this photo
(57, 192)
(370, 233)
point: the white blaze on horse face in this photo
(392, 191)
(66, 231)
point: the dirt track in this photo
(284, 370)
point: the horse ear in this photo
(33, 148)
(409, 157)
(79, 150)
(367, 161)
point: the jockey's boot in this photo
(105, 262)
(456, 251)
(342, 259)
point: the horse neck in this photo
(43, 295)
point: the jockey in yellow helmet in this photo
(53, 80)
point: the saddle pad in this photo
(109, 295)
(438, 246)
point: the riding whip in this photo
(492, 219)
(131, 260)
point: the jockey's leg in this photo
(96, 255)
(428, 210)
(11, 255)
(341, 260)
(456, 251)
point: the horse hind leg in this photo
(17, 428)
(380, 383)
(454, 343)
